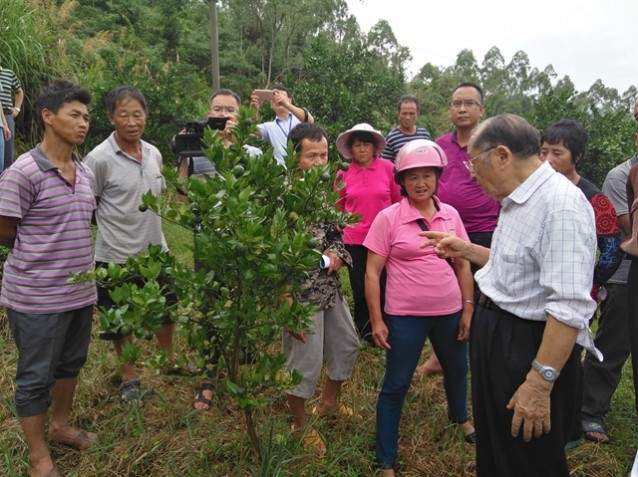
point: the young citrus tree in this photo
(253, 246)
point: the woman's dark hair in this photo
(363, 136)
(571, 134)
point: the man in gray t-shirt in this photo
(125, 168)
(600, 379)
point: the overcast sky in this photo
(583, 39)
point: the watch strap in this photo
(547, 372)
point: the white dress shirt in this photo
(543, 254)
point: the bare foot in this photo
(73, 437)
(431, 366)
(388, 473)
(43, 468)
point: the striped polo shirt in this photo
(53, 236)
(10, 83)
(396, 139)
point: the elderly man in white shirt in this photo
(534, 303)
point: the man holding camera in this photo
(287, 117)
(223, 104)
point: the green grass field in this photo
(165, 437)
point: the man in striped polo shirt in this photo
(46, 204)
(10, 108)
(407, 130)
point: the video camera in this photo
(190, 143)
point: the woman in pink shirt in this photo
(366, 188)
(425, 296)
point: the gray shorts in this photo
(333, 337)
(50, 347)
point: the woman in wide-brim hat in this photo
(366, 188)
(426, 297)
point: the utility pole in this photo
(214, 44)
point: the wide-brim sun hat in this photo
(420, 153)
(344, 137)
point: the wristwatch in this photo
(547, 372)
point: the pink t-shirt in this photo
(419, 283)
(367, 192)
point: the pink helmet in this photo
(419, 153)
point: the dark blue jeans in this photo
(407, 335)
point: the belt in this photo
(7, 110)
(487, 303)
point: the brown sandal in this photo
(201, 399)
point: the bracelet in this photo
(18, 109)
(469, 301)
(305, 115)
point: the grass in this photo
(166, 437)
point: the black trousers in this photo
(632, 287)
(357, 282)
(502, 348)
(612, 339)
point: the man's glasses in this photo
(467, 104)
(469, 164)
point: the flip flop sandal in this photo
(312, 442)
(341, 411)
(188, 369)
(130, 392)
(591, 427)
(200, 398)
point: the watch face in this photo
(549, 374)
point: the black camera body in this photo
(190, 143)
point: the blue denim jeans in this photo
(407, 335)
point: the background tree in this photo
(252, 233)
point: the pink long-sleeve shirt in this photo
(367, 192)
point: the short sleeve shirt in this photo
(276, 133)
(53, 238)
(419, 283)
(120, 183)
(457, 188)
